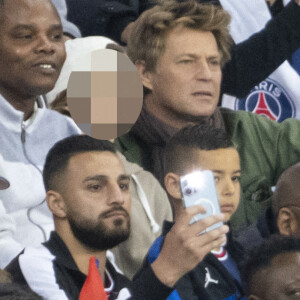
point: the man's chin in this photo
(120, 220)
(115, 224)
(107, 240)
(117, 236)
(118, 225)
(198, 113)
(42, 88)
(106, 234)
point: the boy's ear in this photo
(146, 76)
(172, 184)
(56, 204)
(285, 221)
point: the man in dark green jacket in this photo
(179, 49)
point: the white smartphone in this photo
(198, 188)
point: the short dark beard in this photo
(98, 236)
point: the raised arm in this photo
(183, 249)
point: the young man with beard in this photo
(179, 49)
(32, 53)
(88, 194)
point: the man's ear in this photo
(146, 76)
(56, 204)
(285, 221)
(172, 184)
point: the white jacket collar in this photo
(13, 119)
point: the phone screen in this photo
(198, 188)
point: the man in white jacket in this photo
(32, 53)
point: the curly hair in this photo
(147, 39)
(261, 257)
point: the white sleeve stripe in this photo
(36, 265)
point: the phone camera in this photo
(188, 191)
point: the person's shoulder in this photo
(49, 113)
(31, 260)
(237, 121)
(242, 115)
(249, 119)
(131, 148)
(37, 265)
(61, 121)
(125, 141)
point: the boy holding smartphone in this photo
(200, 148)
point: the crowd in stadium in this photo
(90, 219)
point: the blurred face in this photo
(186, 84)
(225, 165)
(280, 281)
(97, 198)
(32, 51)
